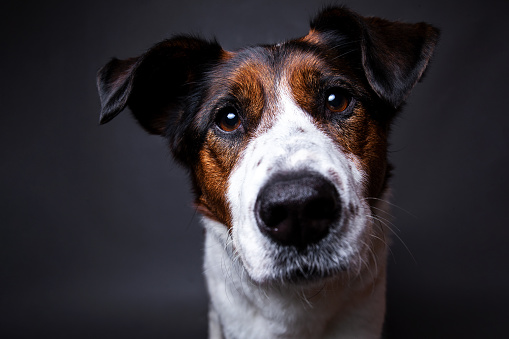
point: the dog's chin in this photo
(304, 268)
(302, 277)
(310, 276)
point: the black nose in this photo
(297, 209)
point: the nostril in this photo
(273, 215)
(297, 208)
(320, 208)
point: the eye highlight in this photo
(228, 119)
(336, 100)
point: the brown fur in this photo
(185, 89)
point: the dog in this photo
(286, 147)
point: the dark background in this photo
(98, 237)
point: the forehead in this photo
(260, 70)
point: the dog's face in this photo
(296, 152)
(286, 144)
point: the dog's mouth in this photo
(324, 260)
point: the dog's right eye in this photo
(228, 119)
(337, 100)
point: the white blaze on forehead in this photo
(292, 143)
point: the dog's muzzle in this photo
(297, 208)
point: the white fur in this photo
(249, 296)
(240, 308)
(283, 148)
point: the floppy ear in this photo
(154, 84)
(394, 54)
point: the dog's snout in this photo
(297, 209)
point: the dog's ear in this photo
(394, 54)
(154, 84)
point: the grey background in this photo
(97, 234)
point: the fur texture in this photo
(286, 146)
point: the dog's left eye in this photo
(336, 100)
(228, 119)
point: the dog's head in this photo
(286, 144)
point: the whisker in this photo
(343, 54)
(383, 240)
(395, 234)
(387, 222)
(383, 211)
(393, 205)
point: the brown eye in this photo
(228, 119)
(336, 100)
